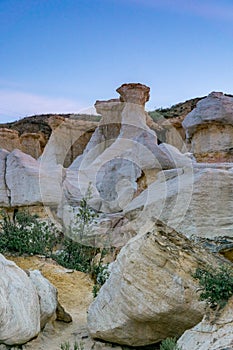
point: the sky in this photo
(60, 56)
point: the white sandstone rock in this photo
(19, 305)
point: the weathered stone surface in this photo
(19, 305)
(67, 141)
(196, 201)
(150, 294)
(214, 332)
(209, 128)
(213, 143)
(32, 144)
(4, 193)
(30, 182)
(47, 297)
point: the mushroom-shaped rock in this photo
(134, 93)
(209, 128)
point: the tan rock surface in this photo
(9, 139)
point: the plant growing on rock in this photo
(76, 346)
(216, 285)
(85, 216)
(169, 344)
(100, 274)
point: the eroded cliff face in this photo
(31, 134)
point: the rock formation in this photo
(116, 157)
(150, 294)
(209, 128)
(195, 201)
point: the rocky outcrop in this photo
(195, 201)
(150, 294)
(19, 305)
(214, 332)
(209, 128)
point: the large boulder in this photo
(150, 294)
(209, 128)
(194, 201)
(47, 297)
(214, 332)
(19, 305)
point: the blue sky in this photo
(61, 55)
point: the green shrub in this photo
(100, 274)
(75, 256)
(216, 284)
(26, 235)
(169, 344)
(76, 346)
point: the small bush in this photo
(217, 285)
(75, 256)
(85, 217)
(100, 274)
(169, 344)
(26, 235)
